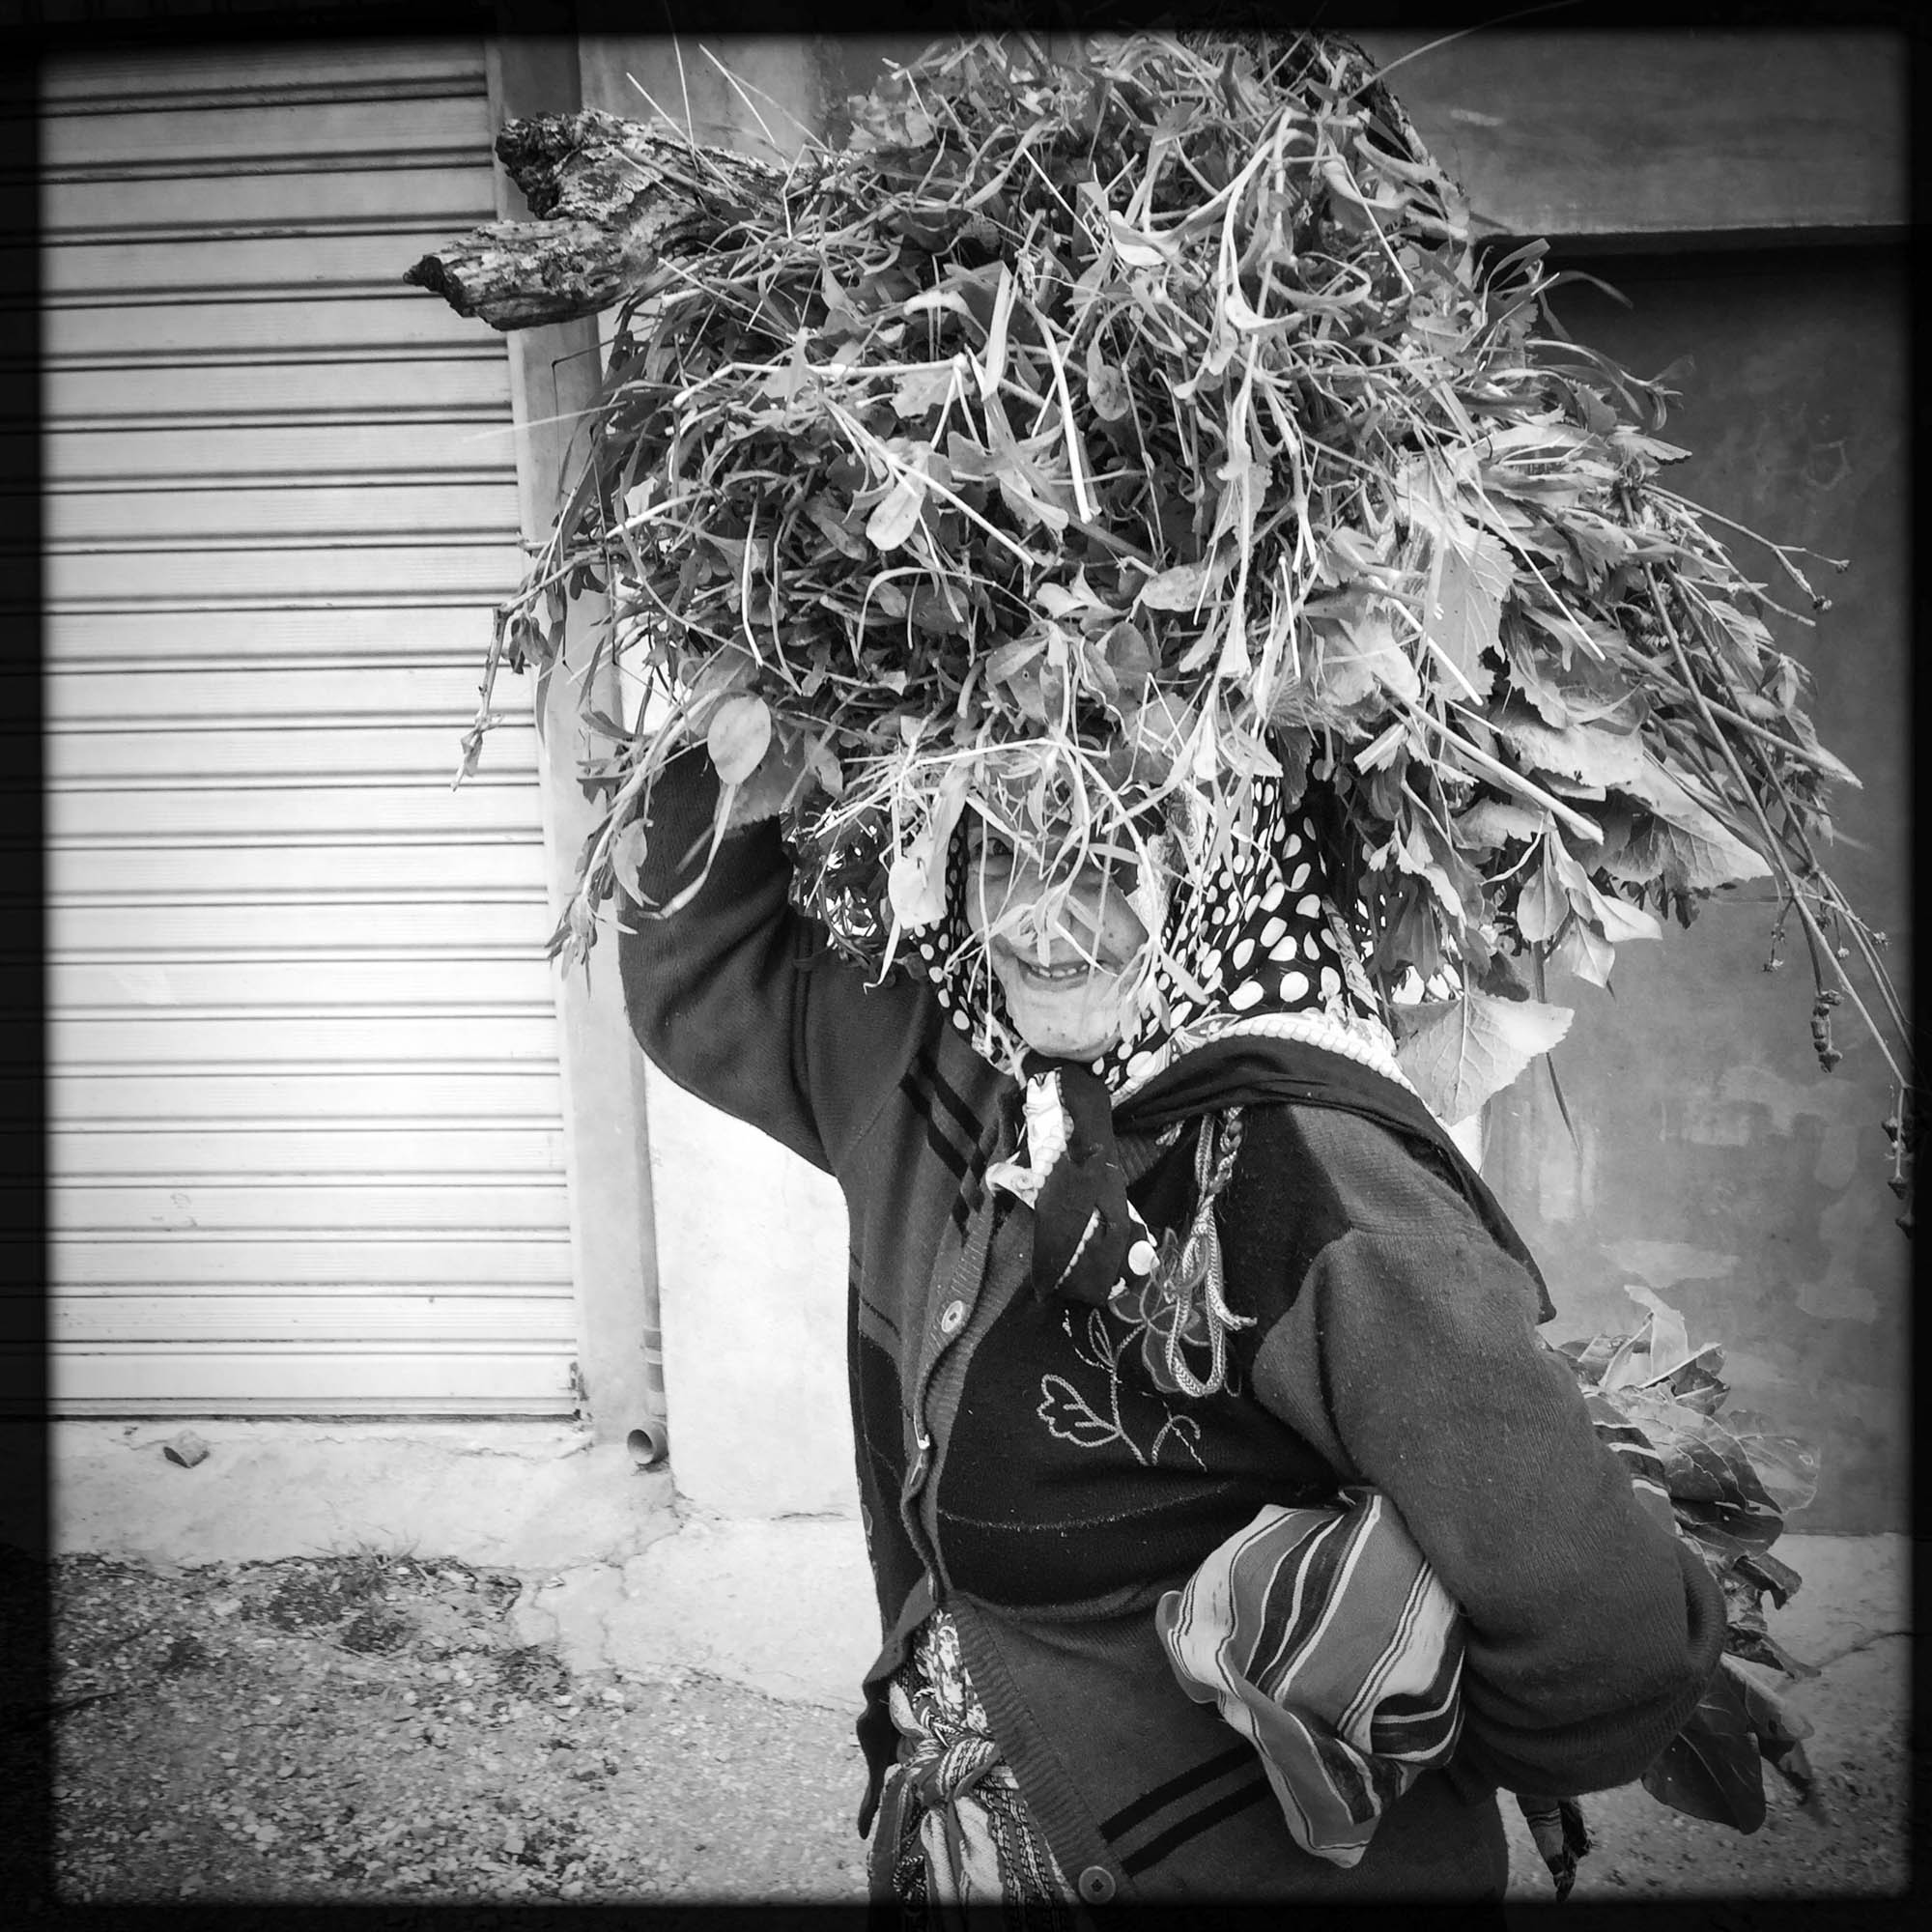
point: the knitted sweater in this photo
(1019, 1463)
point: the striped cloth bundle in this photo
(1330, 1644)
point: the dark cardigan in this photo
(1018, 1463)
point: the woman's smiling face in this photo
(1067, 955)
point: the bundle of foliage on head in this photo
(1086, 438)
(1731, 1482)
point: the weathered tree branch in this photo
(611, 199)
(515, 275)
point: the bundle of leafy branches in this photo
(1088, 437)
(1732, 1481)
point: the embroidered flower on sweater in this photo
(1071, 1417)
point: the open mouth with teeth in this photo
(1075, 1003)
(1057, 975)
(1055, 972)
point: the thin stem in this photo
(1819, 762)
(1814, 936)
(1783, 552)
(1828, 890)
(1514, 781)
(1821, 880)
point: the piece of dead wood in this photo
(610, 200)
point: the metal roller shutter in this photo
(306, 1147)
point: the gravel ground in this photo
(370, 1727)
(367, 1727)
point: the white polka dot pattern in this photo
(1257, 942)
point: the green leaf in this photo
(1077, 600)
(768, 789)
(741, 727)
(831, 523)
(1543, 905)
(1005, 662)
(627, 859)
(916, 883)
(1334, 673)
(1660, 854)
(1600, 546)
(1016, 480)
(1705, 1464)
(1656, 1352)
(1752, 1642)
(1765, 1571)
(1710, 1769)
(1180, 588)
(1459, 1052)
(1391, 667)
(897, 514)
(1414, 853)
(1106, 387)
(1787, 1467)
(920, 391)
(721, 674)
(1726, 1533)
(1491, 821)
(1152, 736)
(1590, 1357)
(1129, 660)
(1781, 1732)
(1699, 852)
(969, 461)
(1633, 443)
(1585, 753)
(1585, 953)
(933, 610)
(1462, 618)
(1137, 249)
(994, 365)
(1617, 919)
(824, 767)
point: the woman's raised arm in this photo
(738, 998)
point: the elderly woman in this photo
(1149, 1235)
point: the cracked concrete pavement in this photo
(784, 1607)
(625, 1581)
(621, 1571)
(622, 1577)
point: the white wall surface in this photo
(752, 1267)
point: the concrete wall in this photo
(1714, 1163)
(750, 1240)
(751, 1245)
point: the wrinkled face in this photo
(1067, 955)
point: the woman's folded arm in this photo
(1591, 1629)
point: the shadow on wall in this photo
(1714, 1163)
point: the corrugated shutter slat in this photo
(305, 1145)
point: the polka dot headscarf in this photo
(1259, 948)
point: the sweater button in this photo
(1096, 1885)
(953, 1313)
